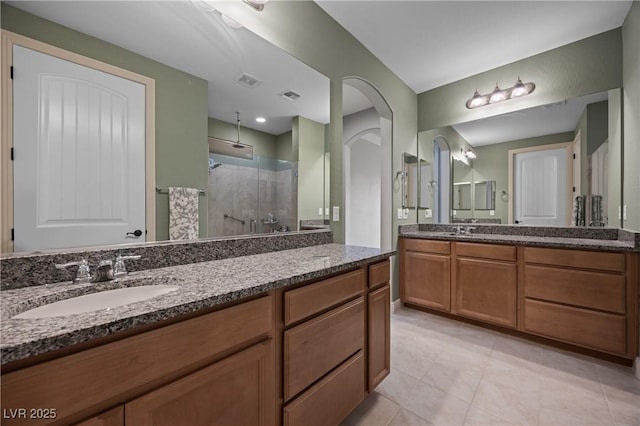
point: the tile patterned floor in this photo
(448, 373)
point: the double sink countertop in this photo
(600, 239)
(201, 285)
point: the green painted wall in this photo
(310, 167)
(598, 124)
(631, 102)
(615, 156)
(587, 66)
(181, 107)
(284, 147)
(264, 144)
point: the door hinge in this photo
(11, 154)
(13, 236)
(574, 156)
(11, 72)
(574, 189)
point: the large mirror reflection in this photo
(553, 165)
(257, 95)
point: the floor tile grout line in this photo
(606, 396)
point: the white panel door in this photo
(79, 163)
(541, 187)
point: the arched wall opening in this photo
(367, 164)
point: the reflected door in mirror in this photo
(79, 174)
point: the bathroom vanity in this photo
(568, 286)
(293, 337)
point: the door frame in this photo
(568, 146)
(9, 39)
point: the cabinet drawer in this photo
(83, 381)
(486, 251)
(576, 258)
(379, 274)
(315, 347)
(427, 246)
(313, 298)
(582, 288)
(592, 329)
(331, 400)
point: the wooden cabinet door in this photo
(113, 417)
(379, 336)
(427, 280)
(239, 390)
(486, 290)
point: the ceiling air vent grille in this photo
(247, 80)
(290, 95)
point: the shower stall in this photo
(248, 196)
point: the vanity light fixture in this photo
(498, 95)
(256, 4)
(467, 153)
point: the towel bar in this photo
(166, 191)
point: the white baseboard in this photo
(395, 306)
(636, 368)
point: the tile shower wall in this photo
(248, 190)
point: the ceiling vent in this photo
(290, 95)
(247, 80)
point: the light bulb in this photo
(497, 95)
(519, 89)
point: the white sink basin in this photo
(96, 301)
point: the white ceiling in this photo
(191, 37)
(431, 43)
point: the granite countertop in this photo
(201, 285)
(528, 240)
(602, 239)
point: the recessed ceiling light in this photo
(261, 120)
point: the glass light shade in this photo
(519, 89)
(476, 101)
(470, 153)
(497, 95)
(261, 120)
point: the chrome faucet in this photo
(83, 275)
(119, 269)
(105, 271)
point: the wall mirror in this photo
(589, 125)
(245, 74)
(409, 180)
(425, 185)
(484, 195)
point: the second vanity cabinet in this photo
(587, 299)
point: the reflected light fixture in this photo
(256, 4)
(261, 120)
(468, 153)
(498, 95)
